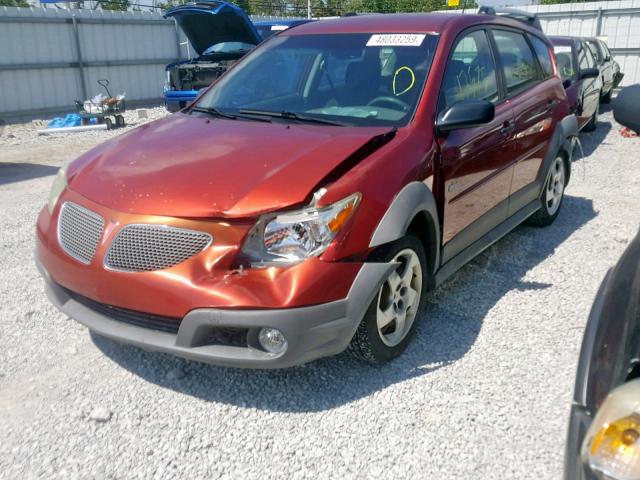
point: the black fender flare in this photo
(414, 199)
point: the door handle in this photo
(507, 128)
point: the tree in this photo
(170, 4)
(14, 3)
(122, 5)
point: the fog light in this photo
(272, 340)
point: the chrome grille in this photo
(79, 231)
(143, 248)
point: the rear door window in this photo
(543, 54)
(593, 46)
(470, 72)
(516, 57)
(585, 59)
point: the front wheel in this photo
(551, 199)
(390, 320)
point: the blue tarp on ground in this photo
(70, 120)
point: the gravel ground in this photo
(482, 392)
(19, 134)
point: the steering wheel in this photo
(404, 106)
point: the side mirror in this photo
(465, 114)
(589, 73)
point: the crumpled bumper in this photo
(311, 332)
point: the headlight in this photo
(291, 237)
(59, 184)
(612, 445)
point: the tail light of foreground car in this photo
(611, 448)
(291, 237)
(554, 63)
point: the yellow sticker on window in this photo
(395, 78)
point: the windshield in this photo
(228, 47)
(356, 79)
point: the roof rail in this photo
(520, 15)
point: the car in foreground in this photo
(604, 431)
(580, 77)
(269, 28)
(626, 108)
(609, 68)
(221, 33)
(604, 425)
(305, 202)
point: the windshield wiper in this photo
(292, 116)
(230, 116)
(213, 111)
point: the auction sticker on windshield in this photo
(396, 40)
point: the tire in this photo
(120, 121)
(593, 121)
(552, 194)
(109, 123)
(395, 304)
(606, 98)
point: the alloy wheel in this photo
(555, 186)
(399, 298)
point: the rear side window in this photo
(517, 60)
(470, 72)
(543, 54)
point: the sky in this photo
(489, 3)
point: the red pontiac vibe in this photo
(305, 202)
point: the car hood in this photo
(194, 166)
(212, 23)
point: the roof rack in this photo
(520, 15)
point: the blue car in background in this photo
(221, 33)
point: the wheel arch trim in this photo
(566, 129)
(414, 198)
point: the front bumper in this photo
(175, 100)
(617, 78)
(311, 332)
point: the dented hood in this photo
(193, 166)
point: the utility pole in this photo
(309, 9)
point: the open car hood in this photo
(208, 23)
